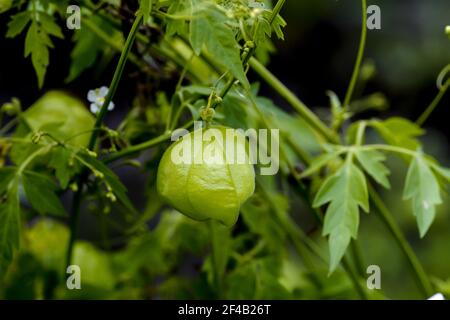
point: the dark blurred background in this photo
(318, 55)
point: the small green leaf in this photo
(89, 47)
(178, 26)
(110, 177)
(209, 30)
(18, 23)
(345, 191)
(37, 41)
(319, 162)
(36, 45)
(49, 25)
(6, 176)
(422, 188)
(145, 8)
(263, 212)
(278, 24)
(399, 132)
(442, 172)
(372, 162)
(40, 192)
(257, 279)
(335, 102)
(61, 161)
(262, 30)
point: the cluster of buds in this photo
(242, 9)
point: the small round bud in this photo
(249, 44)
(207, 114)
(111, 196)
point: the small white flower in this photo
(437, 296)
(97, 99)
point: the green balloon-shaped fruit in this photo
(207, 174)
(61, 115)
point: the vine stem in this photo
(292, 99)
(316, 123)
(429, 110)
(215, 251)
(76, 204)
(420, 275)
(110, 41)
(249, 53)
(359, 58)
(138, 147)
(318, 215)
(143, 146)
(115, 80)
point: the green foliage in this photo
(399, 132)
(372, 162)
(112, 182)
(345, 191)
(37, 41)
(258, 279)
(38, 187)
(208, 29)
(89, 48)
(62, 161)
(145, 8)
(422, 188)
(276, 249)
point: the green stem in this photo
(324, 131)
(115, 81)
(358, 257)
(215, 251)
(31, 157)
(110, 41)
(357, 67)
(386, 216)
(316, 123)
(76, 203)
(142, 146)
(298, 105)
(305, 195)
(429, 110)
(74, 220)
(8, 126)
(137, 148)
(247, 56)
(354, 277)
(276, 10)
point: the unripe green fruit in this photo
(62, 116)
(213, 184)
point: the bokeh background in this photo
(318, 55)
